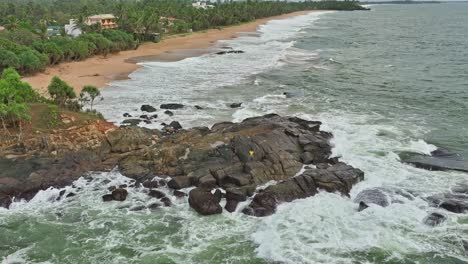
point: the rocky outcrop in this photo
(336, 178)
(236, 157)
(439, 159)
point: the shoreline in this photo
(100, 71)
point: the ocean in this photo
(387, 81)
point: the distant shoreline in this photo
(100, 71)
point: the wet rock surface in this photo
(236, 157)
(439, 159)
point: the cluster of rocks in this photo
(233, 157)
(454, 201)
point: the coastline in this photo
(100, 70)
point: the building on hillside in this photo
(107, 21)
(72, 30)
(54, 31)
(201, 4)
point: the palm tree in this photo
(12, 23)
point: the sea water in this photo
(390, 80)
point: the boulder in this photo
(231, 205)
(207, 182)
(179, 182)
(176, 125)
(127, 115)
(236, 194)
(169, 113)
(166, 201)
(107, 198)
(119, 194)
(147, 108)
(129, 139)
(150, 184)
(198, 107)
(371, 196)
(235, 105)
(218, 195)
(204, 202)
(172, 106)
(156, 194)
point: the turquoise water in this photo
(389, 80)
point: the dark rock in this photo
(166, 201)
(156, 194)
(229, 52)
(231, 205)
(144, 117)
(131, 122)
(154, 206)
(455, 203)
(207, 182)
(236, 194)
(150, 184)
(218, 195)
(372, 196)
(307, 157)
(129, 139)
(123, 186)
(169, 113)
(127, 115)
(263, 204)
(434, 219)
(176, 125)
(162, 183)
(107, 198)
(440, 160)
(70, 195)
(172, 106)
(235, 105)
(204, 202)
(154, 116)
(147, 108)
(147, 122)
(179, 182)
(179, 194)
(119, 194)
(198, 107)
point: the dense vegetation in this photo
(16, 96)
(26, 47)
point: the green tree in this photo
(60, 91)
(8, 59)
(89, 94)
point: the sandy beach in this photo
(99, 70)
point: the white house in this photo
(201, 4)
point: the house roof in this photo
(101, 16)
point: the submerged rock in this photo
(434, 219)
(172, 106)
(147, 108)
(381, 196)
(169, 113)
(235, 105)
